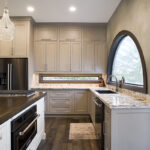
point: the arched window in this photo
(126, 60)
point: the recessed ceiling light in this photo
(30, 8)
(72, 8)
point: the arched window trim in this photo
(115, 44)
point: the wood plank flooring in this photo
(57, 133)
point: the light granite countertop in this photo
(113, 101)
(120, 101)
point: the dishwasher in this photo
(99, 120)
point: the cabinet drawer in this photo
(61, 110)
(60, 94)
(61, 102)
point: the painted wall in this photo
(134, 16)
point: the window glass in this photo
(70, 78)
(127, 62)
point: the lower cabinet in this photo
(81, 102)
(5, 136)
(92, 107)
(107, 129)
(66, 102)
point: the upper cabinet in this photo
(19, 47)
(94, 32)
(46, 32)
(76, 54)
(6, 48)
(94, 49)
(20, 40)
(64, 57)
(72, 48)
(70, 33)
(39, 53)
(45, 56)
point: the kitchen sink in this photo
(105, 92)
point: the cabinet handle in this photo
(0, 138)
(12, 51)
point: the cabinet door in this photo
(70, 33)
(50, 54)
(64, 57)
(88, 57)
(100, 57)
(76, 53)
(46, 32)
(81, 102)
(6, 49)
(61, 102)
(5, 136)
(20, 40)
(93, 111)
(39, 53)
(94, 33)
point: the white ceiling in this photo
(97, 11)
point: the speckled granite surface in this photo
(118, 101)
(113, 101)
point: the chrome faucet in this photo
(117, 85)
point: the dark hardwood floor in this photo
(57, 132)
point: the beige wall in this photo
(133, 15)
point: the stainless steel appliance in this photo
(13, 74)
(24, 129)
(99, 120)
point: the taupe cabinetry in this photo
(6, 48)
(94, 53)
(70, 33)
(46, 32)
(80, 47)
(45, 56)
(81, 102)
(50, 57)
(17, 47)
(88, 57)
(70, 57)
(76, 54)
(60, 102)
(66, 102)
(64, 57)
(92, 107)
(39, 56)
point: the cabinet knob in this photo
(0, 138)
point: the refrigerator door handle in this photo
(10, 77)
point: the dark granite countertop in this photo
(12, 105)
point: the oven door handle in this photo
(24, 131)
(99, 105)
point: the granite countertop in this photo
(12, 105)
(113, 101)
(120, 101)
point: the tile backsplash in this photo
(137, 95)
(36, 84)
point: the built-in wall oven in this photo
(24, 129)
(99, 120)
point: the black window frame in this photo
(120, 36)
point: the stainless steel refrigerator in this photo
(13, 74)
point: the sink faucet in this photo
(117, 86)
